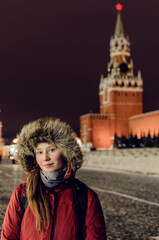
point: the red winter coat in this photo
(64, 223)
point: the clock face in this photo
(123, 67)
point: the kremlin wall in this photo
(121, 99)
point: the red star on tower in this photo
(119, 7)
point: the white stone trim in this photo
(119, 53)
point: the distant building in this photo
(1, 141)
(120, 94)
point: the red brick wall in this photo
(85, 120)
(144, 123)
(122, 104)
(98, 130)
(101, 131)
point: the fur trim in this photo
(51, 131)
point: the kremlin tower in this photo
(120, 94)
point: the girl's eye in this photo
(52, 149)
(40, 152)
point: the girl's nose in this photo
(46, 156)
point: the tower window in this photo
(116, 83)
(122, 84)
(129, 84)
(135, 84)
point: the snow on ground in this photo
(144, 160)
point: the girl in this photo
(51, 204)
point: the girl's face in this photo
(49, 157)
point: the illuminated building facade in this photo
(143, 124)
(120, 96)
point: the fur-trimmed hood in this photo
(51, 131)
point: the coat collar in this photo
(69, 176)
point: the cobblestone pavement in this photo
(130, 202)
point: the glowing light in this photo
(78, 141)
(12, 149)
(119, 7)
(15, 140)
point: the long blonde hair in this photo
(38, 199)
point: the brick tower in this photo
(120, 92)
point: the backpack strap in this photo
(23, 202)
(80, 198)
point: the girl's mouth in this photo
(48, 165)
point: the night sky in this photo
(52, 53)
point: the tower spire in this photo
(119, 30)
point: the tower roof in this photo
(119, 30)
